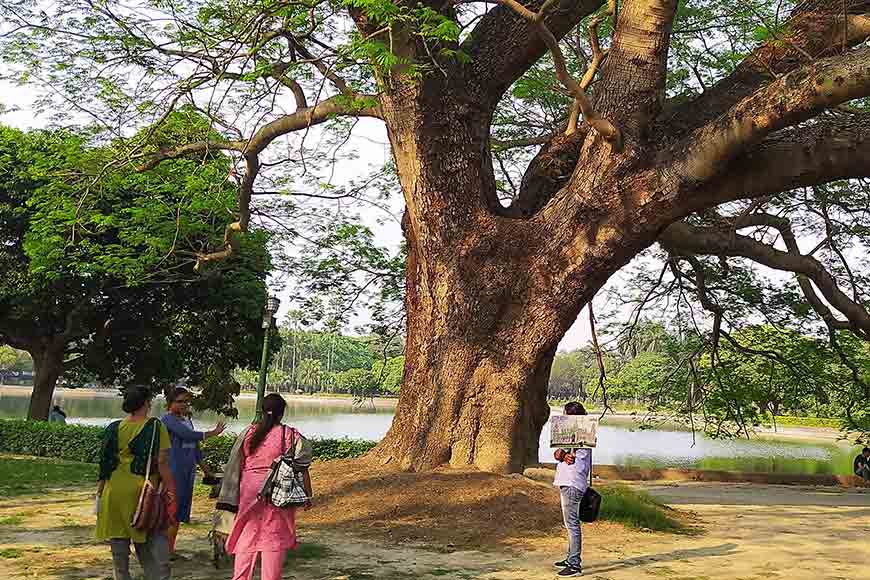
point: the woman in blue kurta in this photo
(184, 454)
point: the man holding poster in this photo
(573, 468)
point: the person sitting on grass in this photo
(57, 415)
(572, 479)
(861, 465)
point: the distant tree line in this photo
(758, 373)
(324, 360)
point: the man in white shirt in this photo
(572, 478)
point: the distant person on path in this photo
(861, 465)
(259, 527)
(572, 478)
(123, 463)
(56, 415)
(184, 454)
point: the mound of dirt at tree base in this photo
(445, 508)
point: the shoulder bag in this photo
(590, 503)
(151, 513)
(284, 487)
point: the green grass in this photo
(11, 521)
(32, 475)
(808, 422)
(637, 509)
(10, 553)
(308, 551)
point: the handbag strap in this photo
(151, 449)
(590, 467)
(292, 441)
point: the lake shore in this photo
(381, 402)
(781, 433)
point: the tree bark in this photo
(47, 369)
(471, 394)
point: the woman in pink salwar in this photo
(261, 528)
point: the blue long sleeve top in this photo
(184, 453)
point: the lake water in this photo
(619, 441)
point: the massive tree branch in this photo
(796, 97)
(818, 29)
(504, 45)
(633, 78)
(683, 237)
(831, 148)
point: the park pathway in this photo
(750, 532)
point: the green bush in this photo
(82, 443)
(216, 451)
(71, 442)
(329, 449)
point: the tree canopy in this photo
(100, 263)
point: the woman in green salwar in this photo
(123, 464)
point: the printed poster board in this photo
(573, 431)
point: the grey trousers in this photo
(153, 555)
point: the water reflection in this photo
(619, 444)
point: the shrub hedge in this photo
(82, 443)
(70, 442)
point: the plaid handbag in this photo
(284, 486)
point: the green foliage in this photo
(81, 443)
(389, 376)
(330, 449)
(358, 382)
(216, 451)
(776, 371)
(640, 377)
(635, 370)
(787, 421)
(8, 359)
(68, 442)
(104, 253)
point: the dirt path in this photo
(751, 532)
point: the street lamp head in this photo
(272, 305)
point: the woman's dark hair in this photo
(174, 393)
(135, 398)
(273, 411)
(575, 408)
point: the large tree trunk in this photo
(465, 401)
(47, 369)
(483, 328)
